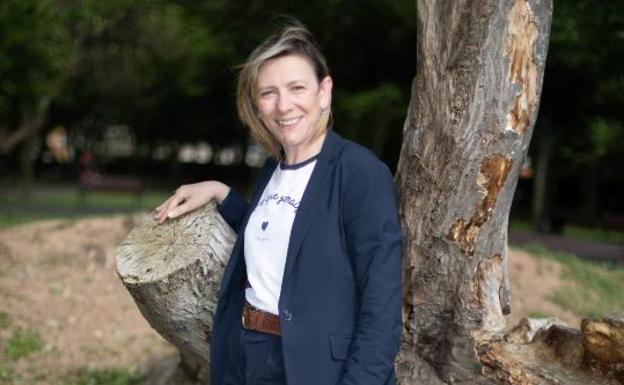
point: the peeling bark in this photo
(491, 178)
(522, 33)
(503, 367)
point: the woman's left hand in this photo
(190, 197)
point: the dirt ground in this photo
(58, 277)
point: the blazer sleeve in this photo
(233, 209)
(373, 240)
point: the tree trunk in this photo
(27, 164)
(173, 272)
(539, 208)
(474, 102)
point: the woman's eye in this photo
(265, 94)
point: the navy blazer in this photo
(340, 302)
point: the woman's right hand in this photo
(190, 197)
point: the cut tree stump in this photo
(548, 352)
(604, 345)
(173, 271)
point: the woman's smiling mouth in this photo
(288, 122)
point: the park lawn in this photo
(62, 203)
(591, 290)
(575, 232)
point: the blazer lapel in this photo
(312, 198)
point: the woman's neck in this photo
(305, 151)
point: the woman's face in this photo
(290, 100)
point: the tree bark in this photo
(474, 103)
(173, 271)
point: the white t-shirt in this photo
(268, 232)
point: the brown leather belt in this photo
(260, 321)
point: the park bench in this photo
(92, 180)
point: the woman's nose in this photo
(284, 103)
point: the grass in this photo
(10, 219)
(591, 290)
(576, 232)
(539, 314)
(63, 202)
(105, 377)
(22, 342)
(610, 236)
(7, 375)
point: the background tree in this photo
(580, 132)
(36, 61)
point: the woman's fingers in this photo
(188, 198)
(178, 210)
(164, 211)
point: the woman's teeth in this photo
(288, 122)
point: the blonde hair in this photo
(293, 39)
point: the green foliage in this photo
(35, 48)
(580, 109)
(370, 116)
(22, 342)
(167, 69)
(583, 81)
(591, 290)
(606, 135)
(105, 377)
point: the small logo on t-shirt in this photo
(264, 225)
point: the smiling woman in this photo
(285, 82)
(290, 102)
(312, 291)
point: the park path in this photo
(592, 250)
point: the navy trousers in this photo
(254, 359)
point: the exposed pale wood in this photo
(544, 351)
(173, 272)
(604, 344)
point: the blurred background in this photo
(140, 93)
(107, 106)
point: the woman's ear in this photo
(325, 92)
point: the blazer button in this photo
(286, 315)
